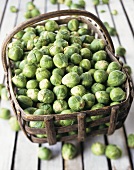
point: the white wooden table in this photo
(16, 152)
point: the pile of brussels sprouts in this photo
(63, 69)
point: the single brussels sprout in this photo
(71, 79)
(76, 103)
(114, 103)
(68, 3)
(39, 29)
(75, 58)
(61, 43)
(34, 56)
(69, 67)
(102, 97)
(45, 84)
(14, 124)
(51, 25)
(116, 78)
(96, 2)
(78, 90)
(83, 31)
(75, 39)
(95, 107)
(75, 6)
(19, 81)
(59, 71)
(15, 53)
(17, 43)
(53, 1)
(86, 45)
(69, 151)
(39, 112)
(47, 108)
(41, 136)
(25, 101)
(17, 71)
(68, 51)
(13, 9)
(35, 12)
(56, 50)
(114, 12)
(4, 93)
(105, 1)
(100, 76)
(60, 60)
(67, 122)
(63, 34)
(86, 53)
(130, 140)
(21, 91)
(89, 99)
(30, 6)
(101, 65)
(100, 55)
(23, 63)
(127, 68)
(121, 51)
(29, 70)
(5, 113)
(60, 1)
(73, 25)
(97, 44)
(78, 46)
(46, 96)
(46, 62)
(27, 14)
(87, 39)
(98, 148)
(42, 73)
(45, 50)
(97, 87)
(44, 153)
(37, 124)
(60, 91)
(77, 70)
(113, 152)
(30, 29)
(33, 94)
(59, 106)
(117, 94)
(32, 84)
(56, 79)
(91, 71)
(85, 64)
(86, 79)
(19, 34)
(30, 110)
(113, 66)
(30, 35)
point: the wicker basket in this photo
(115, 115)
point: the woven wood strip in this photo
(81, 126)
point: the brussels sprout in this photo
(14, 124)
(127, 68)
(25, 101)
(34, 56)
(97, 106)
(113, 66)
(17, 71)
(46, 62)
(114, 103)
(67, 122)
(68, 51)
(37, 124)
(98, 148)
(27, 14)
(121, 51)
(56, 79)
(101, 65)
(76, 103)
(53, 1)
(41, 136)
(39, 29)
(35, 12)
(46, 96)
(71, 79)
(42, 73)
(45, 84)
(22, 64)
(30, 6)
(85, 64)
(63, 34)
(75, 58)
(19, 81)
(75, 39)
(100, 55)
(5, 113)
(113, 152)
(29, 70)
(102, 97)
(44, 153)
(108, 89)
(73, 25)
(32, 84)
(39, 112)
(97, 44)
(56, 50)
(86, 53)
(77, 70)
(30, 29)
(117, 94)
(86, 45)
(114, 12)
(47, 108)
(51, 25)
(83, 31)
(60, 60)
(60, 1)
(59, 106)
(69, 67)
(100, 76)
(17, 43)
(86, 79)
(87, 39)
(130, 140)
(60, 91)
(91, 71)
(4, 93)
(89, 99)
(75, 6)
(30, 35)
(59, 71)
(61, 43)
(15, 53)
(116, 78)
(19, 34)
(97, 87)
(105, 1)
(13, 9)
(96, 2)
(69, 151)
(78, 90)
(30, 110)
(72, 133)
(68, 3)
(21, 91)
(33, 94)
(45, 50)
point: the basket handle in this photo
(53, 15)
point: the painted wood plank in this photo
(56, 161)
(2, 6)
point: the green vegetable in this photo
(97, 87)
(34, 56)
(4, 94)
(45, 84)
(19, 81)
(105, 1)
(30, 110)
(14, 124)
(77, 70)
(100, 76)
(25, 101)
(46, 62)
(61, 43)
(69, 151)
(73, 25)
(68, 3)
(121, 51)
(101, 65)
(78, 90)
(30, 5)
(32, 84)
(5, 113)
(56, 50)
(44, 153)
(114, 12)
(60, 91)
(100, 55)
(56, 79)
(60, 60)
(108, 89)
(127, 68)
(86, 53)
(33, 94)
(130, 140)
(114, 103)
(35, 12)
(42, 73)
(117, 94)
(86, 79)
(19, 35)
(97, 44)
(59, 106)
(75, 58)
(53, 1)
(85, 64)
(46, 96)
(102, 97)
(113, 66)
(89, 99)
(67, 122)
(15, 53)
(51, 25)
(29, 70)
(59, 71)
(95, 107)
(13, 9)
(76, 103)
(37, 124)
(96, 2)
(68, 51)
(98, 148)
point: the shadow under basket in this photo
(113, 115)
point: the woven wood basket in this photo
(115, 115)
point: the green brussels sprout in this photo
(47, 108)
(102, 97)
(114, 12)
(130, 140)
(105, 1)
(13, 9)
(15, 53)
(127, 68)
(59, 71)
(67, 122)
(82, 3)
(69, 67)
(113, 152)
(98, 148)
(30, 35)
(87, 39)
(60, 1)
(25, 101)
(97, 87)
(5, 113)
(76, 103)
(30, 6)
(21, 91)
(72, 133)
(34, 56)
(114, 103)
(17, 71)
(29, 70)
(85, 64)
(100, 55)
(86, 45)
(68, 51)
(33, 94)
(83, 31)
(15, 43)
(78, 46)
(42, 73)
(23, 63)
(116, 78)
(55, 50)
(30, 110)
(51, 25)
(63, 34)
(32, 84)
(68, 3)
(91, 71)
(86, 79)
(60, 60)
(97, 106)
(60, 91)
(86, 53)
(59, 106)
(78, 90)
(35, 12)
(46, 62)
(69, 151)
(113, 66)
(101, 65)
(75, 6)
(53, 1)
(96, 2)
(75, 39)
(45, 50)
(44, 153)
(117, 94)
(19, 34)
(39, 29)
(46, 96)
(97, 44)
(30, 29)
(61, 43)
(71, 79)
(56, 79)
(37, 124)
(89, 99)
(19, 81)
(121, 51)
(4, 94)
(77, 70)
(48, 36)
(39, 112)
(45, 84)
(100, 76)
(73, 25)
(75, 58)
(108, 89)
(41, 136)
(27, 14)
(14, 124)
